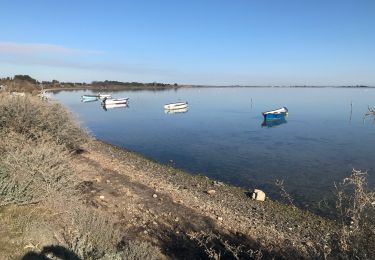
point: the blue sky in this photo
(222, 42)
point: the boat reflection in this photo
(274, 122)
(175, 111)
(112, 106)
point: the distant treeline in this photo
(25, 83)
(130, 84)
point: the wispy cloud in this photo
(39, 48)
(94, 66)
(44, 57)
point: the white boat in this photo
(114, 101)
(178, 105)
(276, 111)
(102, 96)
(112, 106)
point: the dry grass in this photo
(355, 203)
(34, 119)
(35, 152)
(89, 233)
(33, 171)
(284, 194)
(216, 247)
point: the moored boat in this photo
(177, 105)
(102, 96)
(112, 106)
(275, 114)
(114, 101)
(88, 98)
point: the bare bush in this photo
(284, 194)
(356, 237)
(370, 113)
(12, 192)
(35, 170)
(34, 119)
(89, 233)
(136, 250)
(216, 247)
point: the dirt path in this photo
(162, 204)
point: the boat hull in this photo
(174, 106)
(103, 96)
(115, 101)
(89, 98)
(275, 114)
(114, 106)
(274, 122)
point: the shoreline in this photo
(229, 209)
(135, 88)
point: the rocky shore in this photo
(166, 206)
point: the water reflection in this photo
(113, 106)
(175, 111)
(274, 122)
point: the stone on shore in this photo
(258, 195)
(211, 192)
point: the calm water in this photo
(221, 134)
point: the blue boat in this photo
(89, 98)
(275, 114)
(274, 122)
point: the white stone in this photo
(259, 195)
(211, 192)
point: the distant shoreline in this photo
(117, 88)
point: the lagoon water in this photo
(221, 135)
